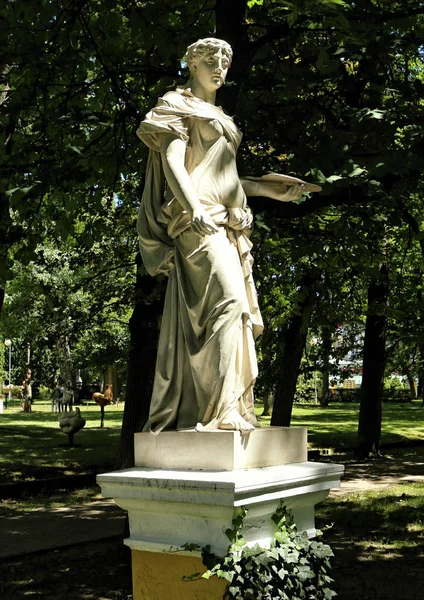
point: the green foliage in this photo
(330, 90)
(78, 293)
(293, 567)
(393, 383)
(308, 384)
(3, 373)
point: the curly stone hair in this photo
(201, 48)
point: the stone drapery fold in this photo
(206, 364)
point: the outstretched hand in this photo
(283, 192)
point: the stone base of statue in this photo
(187, 487)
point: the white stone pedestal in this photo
(187, 487)
(221, 450)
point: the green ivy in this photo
(294, 567)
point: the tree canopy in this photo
(330, 91)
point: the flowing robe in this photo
(206, 364)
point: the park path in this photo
(49, 528)
(400, 466)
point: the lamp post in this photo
(78, 382)
(8, 344)
(314, 342)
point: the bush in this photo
(44, 393)
(307, 384)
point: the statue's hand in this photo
(283, 192)
(248, 220)
(202, 223)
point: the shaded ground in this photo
(45, 528)
(100, 571)
(391, 565)
(94, 571)
(371, 576)
(397, 466)
(378, 541)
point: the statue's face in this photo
(211, 70)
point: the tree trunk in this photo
(420, 390)
(268, 403)
(326, 352)
(144, 331)
(5, 226)
(110, 376)
(294, 344)
(231, 27)
(66, 366)
(371, 407)
(411, 382)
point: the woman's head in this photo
(195, 52)
(208, 61)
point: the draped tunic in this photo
(206, 364)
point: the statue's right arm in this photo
(271, 189)
(173, 151)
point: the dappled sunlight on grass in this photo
(382, 533)
(336, 426)
(55, 500)
(32, 445)
(384, 516)
(95, 571)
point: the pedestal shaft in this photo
(158, 576)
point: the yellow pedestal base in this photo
(158, 576)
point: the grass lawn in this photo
(95, 571)
(378, 541)
(32, 446)
(336, 426)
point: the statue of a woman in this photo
(194, 226)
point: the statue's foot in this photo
(235, 422)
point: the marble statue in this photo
(194, 226)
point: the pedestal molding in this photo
(195, 485)
(169, 508)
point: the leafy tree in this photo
(329, 90)
(70, 303)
